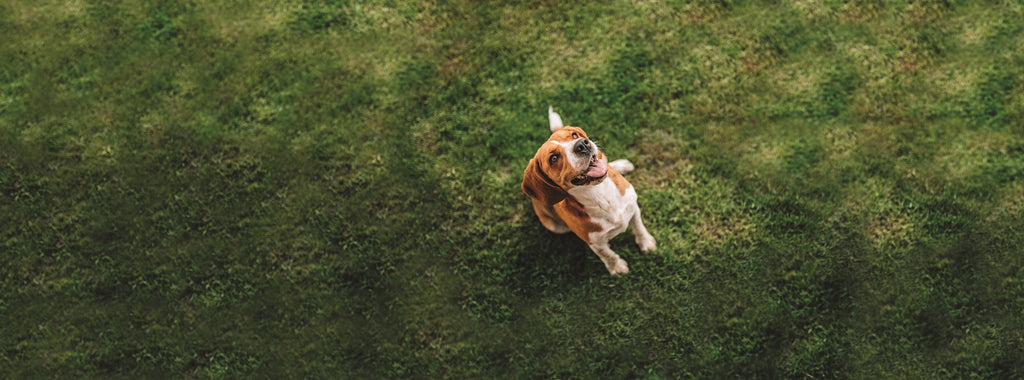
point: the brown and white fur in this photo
(574, 188)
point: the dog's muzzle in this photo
(583, 147)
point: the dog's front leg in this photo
(615, 264)
(643, 238)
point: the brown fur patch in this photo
(576, 217)
(538, 185)
(566, 134)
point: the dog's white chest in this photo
(607, 207)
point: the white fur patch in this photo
(607, 207)
(554, 120)
(578, 163)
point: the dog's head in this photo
(568, 159)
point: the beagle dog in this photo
(574, 188)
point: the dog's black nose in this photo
(582, 147)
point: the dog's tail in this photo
(554, 119)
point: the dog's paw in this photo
(620, 268)
(646, 243)
(622, 166)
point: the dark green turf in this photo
(330, 189)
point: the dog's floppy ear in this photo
(539, 186)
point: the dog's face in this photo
(567, 160)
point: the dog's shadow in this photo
(548, 261)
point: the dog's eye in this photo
(575, 135)
(553, 159)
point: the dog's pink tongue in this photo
(598, 169)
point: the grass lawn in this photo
(331, 189)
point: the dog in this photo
(574, 188)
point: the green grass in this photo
(330, 189)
